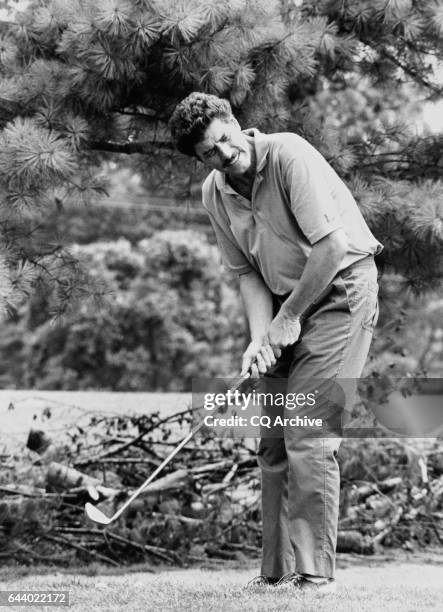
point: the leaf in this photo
(24, 277)
(43, 20)
(413, 26)
(217, 79)
(6, 289)
(114, 17)
(24, 204)
(215, 12)
(76, 130)
(103, 62)
(241, 84)
(183, 22)
(436, 10)
(8, 53)
(31, 155)
(179, 60)
(329, 40)
(396, 10)
(146, 31)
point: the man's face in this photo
(224, 147)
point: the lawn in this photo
(408, 587)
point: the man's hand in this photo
(259, 357)
(283, 331)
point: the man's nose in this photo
(224, 151)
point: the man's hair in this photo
(192, 116)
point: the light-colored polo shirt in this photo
(297, 199)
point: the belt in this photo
(365, 263)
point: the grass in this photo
(405, 587)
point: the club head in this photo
(96, 515)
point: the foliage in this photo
(84, 81)
(213, 509)
(168, 315)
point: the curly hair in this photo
(192, 116)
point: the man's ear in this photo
(199, 159)
(196, 155)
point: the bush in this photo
(170, 314)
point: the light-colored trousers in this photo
(300, 474)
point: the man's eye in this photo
(224, 138)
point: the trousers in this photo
(299, 473)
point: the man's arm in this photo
(257, 300)
(321, 267)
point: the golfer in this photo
(290, 229)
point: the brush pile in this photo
(206, 504)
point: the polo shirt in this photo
(297, 199)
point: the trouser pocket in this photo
(362, 298)
(371, 310)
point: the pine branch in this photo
(417, 76)
(417, 47)
(8, 110)
(407, 69)
(6, 26)
(129, 147)
(148, 114)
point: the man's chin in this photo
(237, 169)
(234, 171)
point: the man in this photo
(290, 229)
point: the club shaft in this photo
(171, 456)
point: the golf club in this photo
(98, 516)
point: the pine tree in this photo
(83, 80)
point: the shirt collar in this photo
(261, 151)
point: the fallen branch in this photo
(24, 491)
(212, 551)
(61, 477)
(142, 434)
(114, 461)
(364, 491)
(48, 558)
(157, 551)
(378, 539)
(91, 553)
(176, 480)
(354, 541)
(186, 520)
(211, 467)
(244, 547)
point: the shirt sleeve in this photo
(311, 199)
(233, 257)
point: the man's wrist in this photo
(286, 314)
(257, 339)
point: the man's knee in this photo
(308, 449)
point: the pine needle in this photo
(31, 156)
(114, 17)
(436, 10)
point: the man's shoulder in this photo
(208, 188)
(282, 138)
(290, 148)
(288, 142)
(210, 182)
